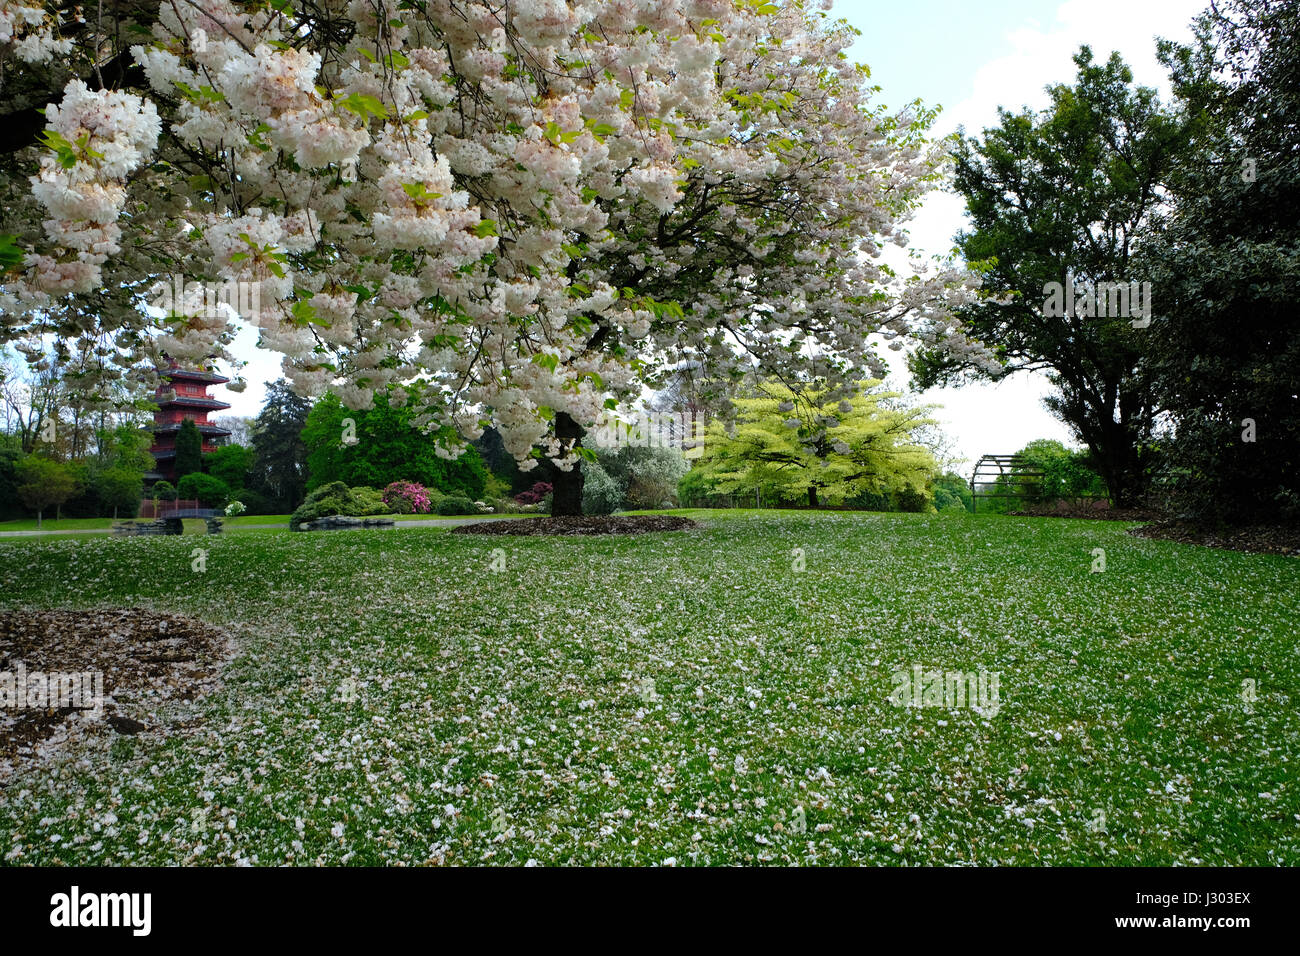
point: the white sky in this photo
(969, 58)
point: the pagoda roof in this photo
(196, 375)
(193, 402)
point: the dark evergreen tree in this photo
(189, 449)
(1225, 354)
(279, 453)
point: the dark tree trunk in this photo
(566, 496)
(812, 496)
(1120, 466)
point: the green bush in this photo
(337, 498)
(870, 501)
(370, 501)
(456, 506)
(209, 491)
(164, 491)
(695, 490)
(911, 500)
(646, 477)
(601, 494)
(951, 493)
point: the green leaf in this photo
(303, 313)
(11, 254)
(363, 104)
(64, 150)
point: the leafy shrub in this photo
(695, 490)
(337, 498)
(456, 506)
(211, 492)
(646, 476)
(601, 494)
(496, 487)
(370, 501)
(951, 493)
(164, 491)
(911, 500)
(870, 501)
(533, 495)
(407, 497)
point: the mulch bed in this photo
(147, 659)
(1091, 512)
(1259, 539)
(585, 524)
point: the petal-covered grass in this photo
(688, 697)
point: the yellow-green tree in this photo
(787, 443)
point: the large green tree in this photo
(1063, 196)
(232, 464)
(119, 489)
(1225, 355)
(377, 446)
(43, 483)
(788, 443)
(126, 446)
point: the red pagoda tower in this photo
(183, 394)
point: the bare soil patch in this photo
(593, 524)
(146, 660)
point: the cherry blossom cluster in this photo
(30, 32)
(97, 140)
(527, 210)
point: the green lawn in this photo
(508, 716)
(82, 525)
(52, 524)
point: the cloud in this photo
(1041, 55)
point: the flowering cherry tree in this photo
(528, 210)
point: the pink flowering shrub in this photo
(534, 494)
(407, 497)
